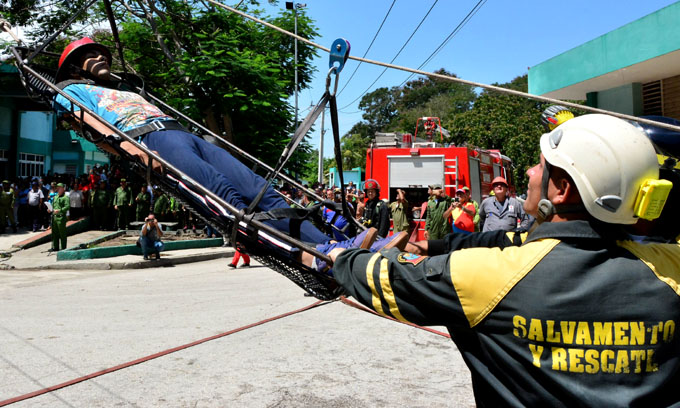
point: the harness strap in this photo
(155, 126)
(64, 84)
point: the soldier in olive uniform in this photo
(7, 207)
(161, 206)
(100, 202)
(143, 201)
(122, 203)
(436, 226)
(60, 207)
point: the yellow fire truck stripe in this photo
(388, 294)
(375, 298)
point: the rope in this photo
(367, 310)
(454, 79)
(151, 357)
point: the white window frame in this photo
(31, 164)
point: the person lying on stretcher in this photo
(84, 72)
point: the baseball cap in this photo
(436, 186)
(460, 190)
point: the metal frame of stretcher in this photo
(266, 244)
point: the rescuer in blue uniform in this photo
(376, 212)
(578, 314)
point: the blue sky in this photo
(500, 42)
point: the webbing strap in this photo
(300, 134)
(338, 158)
(114, 31)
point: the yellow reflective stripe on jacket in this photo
(385, 288)
(387, 292)
(482, 277)
(662, 259)
(375, 298)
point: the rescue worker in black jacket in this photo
(579, 314)
(376, 213)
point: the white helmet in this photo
(608, 159)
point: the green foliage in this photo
(491, 120)
(232, 74)
(397, 109)
(311, 171)
(505, 122)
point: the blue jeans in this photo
(150, 246)
(220, 172)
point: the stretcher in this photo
(246, 228)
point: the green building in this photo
(30, 144)
(634, 69)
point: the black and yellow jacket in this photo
(573, 317)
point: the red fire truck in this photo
(397, 162)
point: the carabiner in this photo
(332, 70)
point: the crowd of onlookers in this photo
(104, 193)
(114, 200)
(440, 214)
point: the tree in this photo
(397, 109)
(232, 74)
(380, 108)
(506, 122)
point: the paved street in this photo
(59, 325)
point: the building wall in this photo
(353, 175)
(6, 123)
(6, 120)
(648, 37)
(35, 138)
(671, 97)
(623, 99)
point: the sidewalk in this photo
(39, 257)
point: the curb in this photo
(75, 253)
(141, 264)
(72, 227)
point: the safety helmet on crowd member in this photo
(608, 159)
(555, 115)
(499, 180)
(72, 53)
(371, 184)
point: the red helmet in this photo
(371, 184)
(73, 51)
